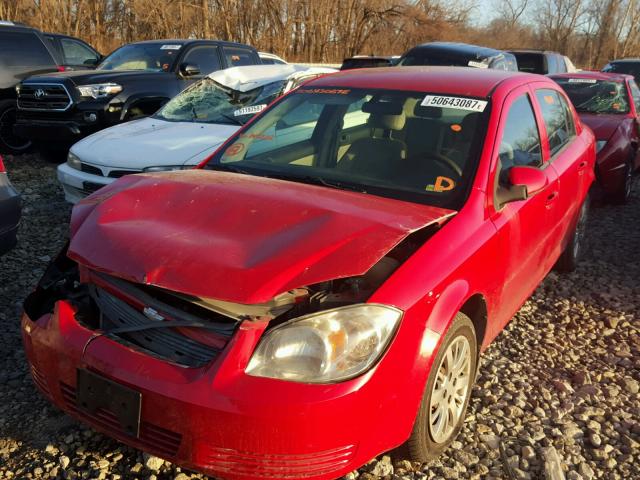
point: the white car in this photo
(271, 59)
(189, 128)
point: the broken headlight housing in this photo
(73, 161)
(328, 346)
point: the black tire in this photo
(9, 142)
(622, 196)
(569, 259)
(423, 445)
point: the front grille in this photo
(226, 460)
(43, 97)
(152, 438)
(122, 173)
(164, 343)
(90, 169)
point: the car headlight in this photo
(165, 168)
(600, 145)
(326, 347)
(73, 161)
(99, 90)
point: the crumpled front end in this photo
(95, 350)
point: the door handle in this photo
(582, 165)
(551, 198)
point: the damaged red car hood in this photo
(235, 237)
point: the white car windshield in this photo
(408, 145)
(210, 102)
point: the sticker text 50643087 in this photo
(458, 103)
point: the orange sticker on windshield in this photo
(548, 99)
(442, 184)
(456, 128)
(616, 106)
(235, 149)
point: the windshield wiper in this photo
(227, 168)
(317, 180)
(233, 119)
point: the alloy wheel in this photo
(450, 390)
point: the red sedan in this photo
(321, 290)
(609, 103)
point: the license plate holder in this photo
(95, 392)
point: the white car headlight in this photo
(99, 90)
(326, 347)
(73, 161)
(600, 145)
(165, 168)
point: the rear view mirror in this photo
(524, 182)
(189, 70)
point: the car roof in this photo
(17, 26)
(472, 82)
(531, 50)
(248, 77)
(188, 41)
(458, 48)
(626, 60)
(615, 77)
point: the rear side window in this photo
(237, 57)
(21, 49)
(205, 57)
(562, 66)
(520, 144)
(635, 94)
(557, 122)
(552, 64)
(77, 53)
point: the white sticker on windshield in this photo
(170, 47)
(582, 80)
(474, 64)
(249, 110)
(457, 103)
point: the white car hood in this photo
(150, 142)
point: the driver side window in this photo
(520, 144)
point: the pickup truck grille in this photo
(44, 97)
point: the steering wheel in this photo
(447, 162)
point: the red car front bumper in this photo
(219, 420)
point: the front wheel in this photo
(447, 393)
(568, 261)
(10, 142)
(624, 192)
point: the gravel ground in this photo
(559, 387)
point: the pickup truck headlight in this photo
(326, 347)
(99, 90)
(165, 168)
(73, 161)
(600, 145)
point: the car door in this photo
(77, 54)
(523, 227)
(635, 96)
(567, 156)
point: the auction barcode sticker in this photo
(457, 103)
(249, 110)
(170, 47)
(582, 80)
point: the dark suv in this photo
(59, 109)
(542, 62)
(23, 52)
(453, 54)
(630, 66)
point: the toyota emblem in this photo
(39, 93)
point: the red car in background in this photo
(609, 103)
(321, 290)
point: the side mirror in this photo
(524, 182)
(91, 62)
(189, 70)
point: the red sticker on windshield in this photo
(235, 149)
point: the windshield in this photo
(596, 96)
(210, 102)
(411, 146)
(150, 57)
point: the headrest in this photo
(409, 107)
(387, 122)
